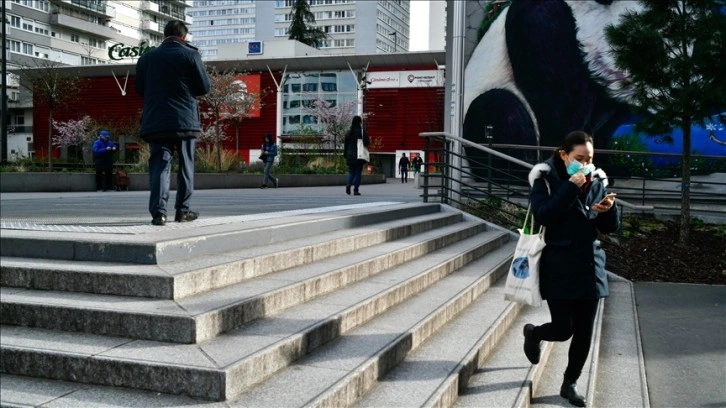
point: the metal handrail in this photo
(446, 135)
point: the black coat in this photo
(573, 262)
(170, 78)
(350, 146)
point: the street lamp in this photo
(489, 134)
(395, 40)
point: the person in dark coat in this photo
(350, 151)
(170, 78)
(572, 268)
(403, 165)
(103, 150)
(269, 151)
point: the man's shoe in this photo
(569, 392)
(159, 220)
(347, 189)
(531, 346)
(356, 193)
(263, 186)
(276, 181)
(186, 216)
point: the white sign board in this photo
(405, 79)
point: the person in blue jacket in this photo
(103, 150)
(170, 78)
(269, 151)
(574, 209)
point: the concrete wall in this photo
(55, 182)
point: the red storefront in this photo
(396, 114)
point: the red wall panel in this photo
(397, 115)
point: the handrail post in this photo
(427, 154)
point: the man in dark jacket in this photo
(103, 150)
(170, 78)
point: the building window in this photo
(15, 21)
(28, 49)
(75, 38)
(14, 46)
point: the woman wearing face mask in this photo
(572, 267)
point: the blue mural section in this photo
(709, 140)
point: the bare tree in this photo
(50, 86)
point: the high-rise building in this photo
(352, 26)
(76, 32)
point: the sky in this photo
(418, 37)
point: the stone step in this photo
(189, 277)
(432, 375)
(506, 378)
(227, 365)
(347, 368)
(621, 367)
(148, 244)
(199, 318)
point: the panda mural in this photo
(541, 70)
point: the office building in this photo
(75, 32)
(352, 26)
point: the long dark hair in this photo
(574, 138)
(356, 122)
(268, 139)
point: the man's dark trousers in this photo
(160, 172)
(104, 171)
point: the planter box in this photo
(61, 182)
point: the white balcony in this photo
(94, 7)
(150, 26)
(184, 3)
(82, 25)
(150, 7)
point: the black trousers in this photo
(104, 179)
(570, 318)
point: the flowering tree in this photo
(334, 120)
(227, 100)
(73, 132)
(51, 86)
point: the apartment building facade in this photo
(75, 32)
(352, 26)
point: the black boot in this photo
(531, 346)
(569, 392)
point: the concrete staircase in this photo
(379, 304)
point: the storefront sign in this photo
(121, 51)
(405, 79)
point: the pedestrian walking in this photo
(269, 152)
(170, 77)
(350, 150)
(572, 266)
(403, 165)
(103, 150)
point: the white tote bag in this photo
(523, 279)
(363, 153)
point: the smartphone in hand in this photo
(606, 197)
